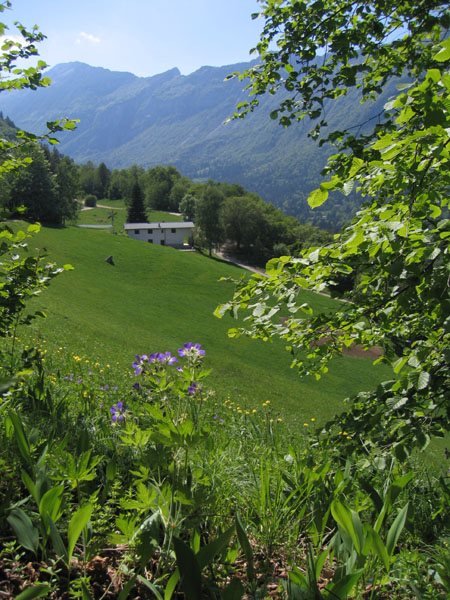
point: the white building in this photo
(167, 234)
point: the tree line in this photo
(52, 187)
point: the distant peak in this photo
(167, 75)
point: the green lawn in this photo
(155, 299)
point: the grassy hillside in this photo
(155, 299)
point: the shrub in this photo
(90, 201)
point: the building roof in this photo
(161, 225)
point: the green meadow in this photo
(116, 215)
(155, 299)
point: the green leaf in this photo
(77, 523)
(380, 549)
(349, 187)
(343, 586)
(127, 588)
(27, 534)
(443, 54)
(245, 545)
(150, 586)
(419, 379)
(51, 502)
(191, 577)
(20, 436)
(35, 591)
(58, 544)
(171, 584)
(208, 552)
(396, 529)
(317, 198)
(233, 591)
(350, 523)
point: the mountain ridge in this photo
(176, 119)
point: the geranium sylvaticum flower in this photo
(166, 357)
(192, 388)
(192, 352)
(117, 412)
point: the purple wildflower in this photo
(192, 388)
(117, 412)
(167, 358)
(191, 350)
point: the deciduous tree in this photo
(207, 212)
(14, 76)
(398, 244)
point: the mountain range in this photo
(179, 120)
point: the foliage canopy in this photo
(396, 249)
(15, 77)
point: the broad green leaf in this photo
(399, 364)
(27, 534)
(77, 523)
(349, 187)
(30, 485)
(298, 578)
(419, 379)
(58, 544)
(51, 502)
(380, 549)
(444, 54)
(317, 198)
(191, 577)
(20, 436)
(345, 519)
(396, 529)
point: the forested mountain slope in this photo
(180, 120)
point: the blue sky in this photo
(144, 37)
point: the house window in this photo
(173, 230)
(136, 231)
(150, 241)
(149, 230)
(162, 242)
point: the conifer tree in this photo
(136, 211)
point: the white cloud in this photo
(89, 37)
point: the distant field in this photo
(104, 216)
(155, 299)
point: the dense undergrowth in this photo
(144, 483)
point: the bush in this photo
(90, 201)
